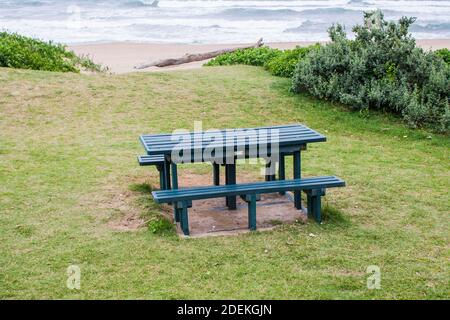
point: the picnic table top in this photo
(285, 135)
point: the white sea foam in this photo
(207, 21)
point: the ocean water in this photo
(208, 21)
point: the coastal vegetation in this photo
(381, 70)
(278, 62)
(21, 52)
(444, 54)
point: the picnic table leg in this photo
(226, 182)
(167, 174)
(281, 170)
(161, 176)
(216, 174)
(176, 213)
(230, 177)
(252, 211)
(297, 175)
(174, 176)
(270, 174)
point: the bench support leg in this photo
(184, 219)
(216, 174)
(317, 208)
(176, 213)
(297, 175)
(314, 203)
(252, 212)
(282, 171)
(309, 205)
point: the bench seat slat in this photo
(197, 193)
(249, 186)
(150, 160)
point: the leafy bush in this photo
(160, 226)
(17, 51)
(252, 57)
(277, 62)
(283, 65)
(444, 54)
(381, 69)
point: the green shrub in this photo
(444, 54)
(382, 69)
(283, 64)
(277, 62)
(17, 51)
(252, 57)
(160, 226)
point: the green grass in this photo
(67, 171)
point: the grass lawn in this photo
(67, 171)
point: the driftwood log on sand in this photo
(194, 57)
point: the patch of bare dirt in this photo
(125, 213)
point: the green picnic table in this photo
(273, 143)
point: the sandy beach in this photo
(121, 57)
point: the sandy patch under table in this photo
(211, 217)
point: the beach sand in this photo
(121, 57)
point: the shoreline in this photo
(121, 57)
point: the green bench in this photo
(182, 198)
(158, 162)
